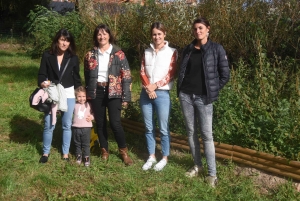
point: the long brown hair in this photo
(68, 36)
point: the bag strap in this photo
(64, 70)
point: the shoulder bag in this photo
(46, 105)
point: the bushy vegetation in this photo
(13, 16)
(43, 25)
(259, 107)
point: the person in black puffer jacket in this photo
(203, 72)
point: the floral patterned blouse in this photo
(119, 75)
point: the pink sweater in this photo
(81, 112)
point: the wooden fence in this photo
(264, 161)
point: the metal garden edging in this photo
(260, 160)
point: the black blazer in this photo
(49, 70)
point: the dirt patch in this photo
(266, 181)
(6, 46)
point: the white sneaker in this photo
(211, 181)
(194, 171)
(160, 165)
(149, 163)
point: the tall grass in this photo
(23, 178)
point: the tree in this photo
(19, 9)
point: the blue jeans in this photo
(66, 126)
(161, 105)
(194, 108)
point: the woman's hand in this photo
(152, 95)
(124, 105)
(45, 84)
(150, 88)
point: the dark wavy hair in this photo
(201, 20)
(68, 36)
(107, 30)
(159, 26)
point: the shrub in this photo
(43, 25)
(259, 108)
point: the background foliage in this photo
(259, 107)
(13, 16)
(43, 24)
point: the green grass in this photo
(23, 178)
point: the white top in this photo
(70, 92)
(157, 65)
(103, 60)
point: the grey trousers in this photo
(194, 108)
(82, 137)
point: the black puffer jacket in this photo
(215, 67)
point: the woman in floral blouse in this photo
(108, 84)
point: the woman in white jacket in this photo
(157, 73)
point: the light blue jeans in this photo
(194, 108)
(161, 106)
(66, 126)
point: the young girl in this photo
(82, 124)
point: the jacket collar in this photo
(108, 51)
(115, 49)
(203, 47)
(165, 46)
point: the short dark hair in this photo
(80, 89)
(68, 36)
(201, 20)
(107, 30)
(159, 26)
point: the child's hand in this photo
(88, 118)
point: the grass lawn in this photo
(23, 178)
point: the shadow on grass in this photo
(9, 54)
(136, 143)
(24, 130)
(18, 73)
(6, 54)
